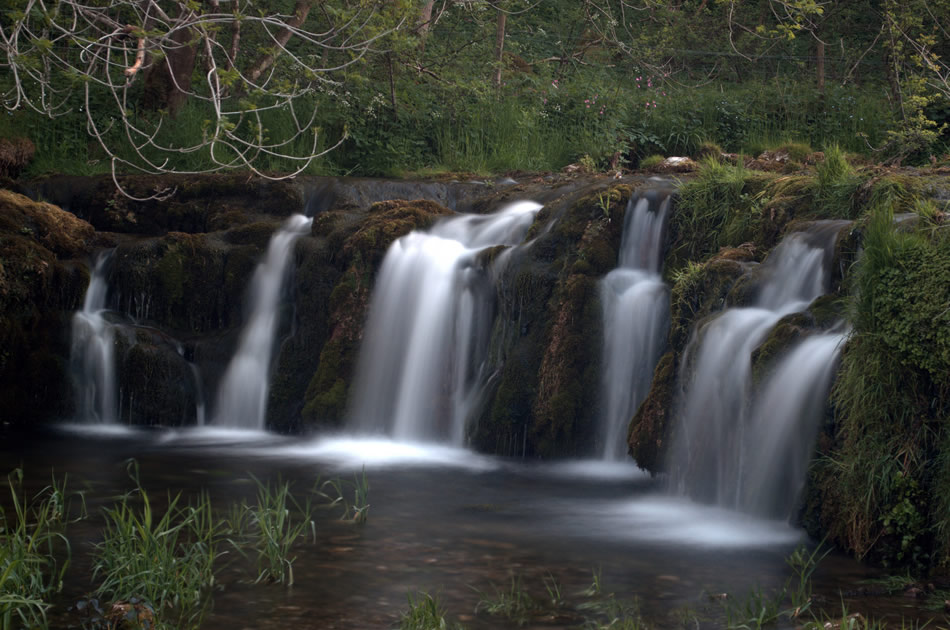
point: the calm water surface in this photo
(447, 522)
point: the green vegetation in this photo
(418, 86)
(651, 162)
(512, 602)
(888, 463)
(34, 552)
(165, 558)
(425, 613)
(271, 526)
(159, 559)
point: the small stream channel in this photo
(446, 522)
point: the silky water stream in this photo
(446, 522)
(443, 520)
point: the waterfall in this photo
(92, 352)
(784, 422)
(242, 396)
(418, 375)
(636, 317)
(717, 450)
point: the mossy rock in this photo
(188, 283)
(39, 289)
(156, 204)
(567, 380)
(257, 234)
(786, 332)
(54, 229)
(648, 435)
(156, 382)
(703, 290)
(384, 223)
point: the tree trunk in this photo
(820, 63)
(168, 81)
(301, 10)
(500, 46)
(425, 20)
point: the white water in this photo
(419, 375)
(717, 435)
(636, 318)
(784, 421)
(92, 352)
(242, 396)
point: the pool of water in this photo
(450, 523)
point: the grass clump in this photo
(163, 557)
(835, 185)
(270, 526)
(720, 207)
(651, 162)
(882, 482)
(425, 613)
(513, 603)
(34, 552)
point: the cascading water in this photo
(92, 351)
(418, 375)
(242, 396)
(784, 421)
(717, 436)
(636, 316)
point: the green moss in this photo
(171, 275)
(257, 234)
(701, 290)
(326, 397)
(789, 330)
(875, 489)
(649, 430)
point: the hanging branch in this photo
(97, 56)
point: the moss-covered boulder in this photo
(649, 430)
(155, 204)
(40, 285)
(158, 385)
(881, 488)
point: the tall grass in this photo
(425, 613)
(721, 206)
(165, 557)
(271, 526)
(34, 552)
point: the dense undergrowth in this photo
(880, 482)
(540, 124)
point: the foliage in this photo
(651, 162)
(513, 603)
(883, 476)
(425, 613)
(720, 207)
(164, 557)
(32, 545)
(271, 526)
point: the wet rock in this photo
(40, 286)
